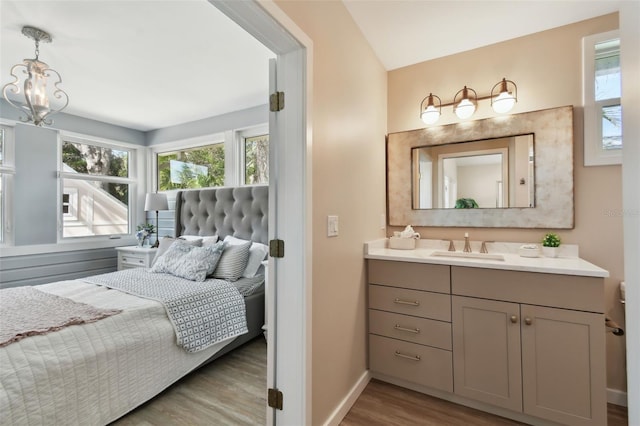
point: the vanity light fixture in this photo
(36, 104)
(504, 95)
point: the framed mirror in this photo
(490, 173)
(473, 165)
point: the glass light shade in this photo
(504, 102)
(465, 109)
(430, 115)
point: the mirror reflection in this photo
(486, 174)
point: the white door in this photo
(289, 311)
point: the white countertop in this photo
(568, 262)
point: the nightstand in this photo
(135, 257)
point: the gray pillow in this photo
(257, 253)
(233, 261)
(187, 261)
(165, 243)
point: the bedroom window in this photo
(256, 159)
(601, 98)
(7, 171)
(198, 167)
(96, 188)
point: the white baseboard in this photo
(347, 402)
(616, 397)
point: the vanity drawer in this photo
(410, 302)
(411, 329)
(417, 276)
(408, 361)
(560, 291)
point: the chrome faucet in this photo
(483, 248)
(467, 246)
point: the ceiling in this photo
(406, 32)
(141, 64)
(152, 64)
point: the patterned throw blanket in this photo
(27, 312)
(202, 313)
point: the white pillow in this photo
(206, 240)
(257, 253)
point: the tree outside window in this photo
(199, 167)
(256, 160)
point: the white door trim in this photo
(290, 139)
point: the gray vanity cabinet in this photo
(525, 345)
(545, 361)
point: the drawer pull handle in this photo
(514, 319)
(409, 330)
(406, 302)
(140, 261)
(411, 357)
(528, 321)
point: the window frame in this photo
(594, 154)
(133, 180)
(7, 170)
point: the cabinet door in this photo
(563, 361)
(486, 351)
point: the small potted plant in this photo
(550, 244)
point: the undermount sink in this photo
(488, 256)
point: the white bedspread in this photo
(105, 369)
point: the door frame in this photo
(290, 199)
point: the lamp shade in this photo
(155, 202)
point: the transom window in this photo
(96, 188)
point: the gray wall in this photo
(233, 120)
(50, 267)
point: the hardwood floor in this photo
(228, 391)
(232, 389)
(384, 404)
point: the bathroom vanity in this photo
(519, 337)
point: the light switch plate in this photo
(332, 226)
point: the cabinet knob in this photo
(514, 319)
(528, 321)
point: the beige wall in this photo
(547, 69)
(348, 158)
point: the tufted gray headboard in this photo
(238, 211)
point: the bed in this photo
(94, 373)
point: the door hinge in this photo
(276, 101)
(274, 398)
(276, 248)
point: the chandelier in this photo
(38, 102)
